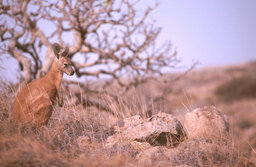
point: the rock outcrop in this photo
(159, 130)
(205, 121)
(162, 141)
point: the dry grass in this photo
(60, 142)
(55, 144)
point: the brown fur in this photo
(34, 103)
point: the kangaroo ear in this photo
(56, 49)
(65, 51)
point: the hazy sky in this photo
(213, 32)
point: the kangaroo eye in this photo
(65, 65)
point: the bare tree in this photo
(106, 38)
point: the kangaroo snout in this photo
(71, 72)
(67, 68)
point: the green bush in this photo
(237, 89)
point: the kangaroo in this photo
(34, 103)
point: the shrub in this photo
(237, 89)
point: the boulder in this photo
(161, 129)
(205, 121)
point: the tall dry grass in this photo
(75, 136)
(54, 144)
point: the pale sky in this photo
(213, 32)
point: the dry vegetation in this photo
(237, 88)
(60, 142)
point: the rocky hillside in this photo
(206, 118)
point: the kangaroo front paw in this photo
(60, 103)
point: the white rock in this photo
(205, 121)
(159, 130)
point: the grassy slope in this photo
(58, 143)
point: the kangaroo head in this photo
(63, 59)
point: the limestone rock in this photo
(159, 130)
(205, 121)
